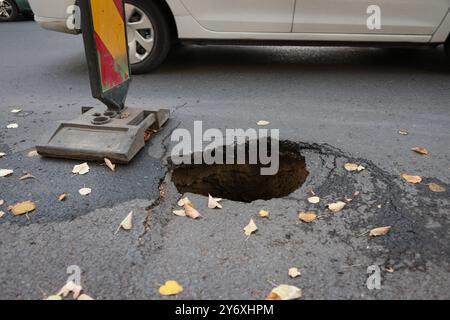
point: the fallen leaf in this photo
(184, 201)
(2, 202)
(389, 269)
(250, 228)
(403, 132)
(285, 292)
(214, 202)
(27, 176)
(148, 134)
(22, 208)
(420, 150)
(2, 154)
(314, 199)
(81, 169)
(294, 273)
(180, 213)
(379, 231)
(191, 212)
(263, 213)
(85, 297)
(109, 164)
(6, 172)
(307, 217)
(85, 191)
(127, 223)
(412, 179)
(436, 188)
(263, 123)
(62, 197)
(170, 288)
(12, 126)
(53, 297)
(337, 206)
(16, 110)
(32, 153)
(351, 167)
(2, 214)
(68, 288)
(124, 115)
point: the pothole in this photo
(243, 182)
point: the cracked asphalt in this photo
(334, 105)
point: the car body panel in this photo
(422, 22)
(23, 6)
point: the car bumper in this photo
(54, 24)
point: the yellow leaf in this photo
(85, 191)
(294, 273)
(412, 179)
(54, 297)
(263, 213)
(170, 288)
(85, 297)
(191, 212)
(62, 197)
(127, 223)
(184, 201)
(6, 172)
(81, 169)
(337, 206)
(285, 292)
(213, 203)
(307, 217)
(351, 167)
(420, 150)
(263, 123)
(110, 165)
(377, 232)
(314, 200)
(22, 208)
(436, 188)
(250, 228)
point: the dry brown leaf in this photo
(412, 179)
(285, 292)
(127, 223)
(420, 150)
(6, 172)
(62, 197)
(436, 188)
(110, 165)
(85, 191)
(377, 232)
(314, 200)
(12, 126)
(170, 288)
(213, 203)
(84, 297)
(22, 208)
(27, 176)
(263, 123)
(307, 217)
(81, 169)
(148, 134)
(351, 167)
(263, 213)
(191, 212)
(294, 273)
(124, 115)
(250, 228)
(68, 288)
(180, 213)
(32, 153)
(337, 206)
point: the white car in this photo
(155, 25)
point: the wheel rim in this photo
(140, 33)
(6, 9)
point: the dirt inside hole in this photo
(243, 182)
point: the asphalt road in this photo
(335, 105)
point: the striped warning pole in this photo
(105, 40)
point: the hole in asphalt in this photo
(243, 182)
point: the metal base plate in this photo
(99, 134)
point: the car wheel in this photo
(8, 10)
(148, 35)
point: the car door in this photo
(243, 15)
(413, 17)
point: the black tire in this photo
(162, 38)
(447, 48)
(14, 11)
